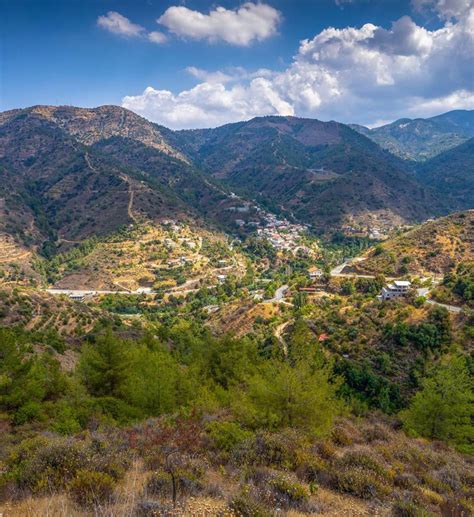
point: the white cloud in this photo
(157, 37)
(209, 104)
(461, 99)
(118, 24)
(240, 26)
(209, 77)
(354, 75)
(445, 9)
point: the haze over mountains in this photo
(70, 173)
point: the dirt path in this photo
(279, 330)
(131, 195)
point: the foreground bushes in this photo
(48, 464)
(251, 473)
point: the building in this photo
(314, 273)
(80, 296)
(397, 289)
(221, 278)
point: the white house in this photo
(397, 289)
(221, 278)
(314, 273)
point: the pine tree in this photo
(104, 366)
(444, 407)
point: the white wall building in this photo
(397, 289)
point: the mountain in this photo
(322, 173)
(421, 139)
(54, 187)
(451, 173)
(72, 173)
(435, 247)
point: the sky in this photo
(196, 63)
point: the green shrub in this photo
(364, 461)
(289, 491)
(49, 464)
(341, 437)
(159, 484)
(312, 469)
(40, 465)
(406, 481)
(408, 509)
(280, 450)
(227, 435)
(89, 488)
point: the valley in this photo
(269, 314)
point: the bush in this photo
(365, 461)
(289, 492)
(406, 481)
(159, 484)
(449, 476)
(89, 488)
(408, 509)
(341, 437)
(38, 465)
(49, 464)
(280, 450)
(313, 470)
(227, 435)
(187, 484)
(359, 482)
(245, 506)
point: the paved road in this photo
(83, 292)
(279, 294)
(425, 291)
(338, 270)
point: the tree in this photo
(303, 345)
(26, 380)
(156, 383)
(444, 407)
(104, 366)
(281, 396)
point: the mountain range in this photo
(421, 139)
(71, 173)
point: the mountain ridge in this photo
(420, 139)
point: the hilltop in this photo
(73, 173)
(435, 247)
(322, 173)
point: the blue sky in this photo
(216, 62)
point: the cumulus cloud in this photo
(118, 24)
(209, 104)
(353, 74)
(239, 26)
(445, 9)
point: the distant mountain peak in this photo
(420, 139)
